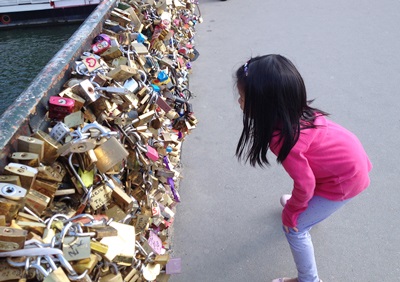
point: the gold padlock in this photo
(29, 159)
(49, 174)
(47, 188)
(122, 199)
(10, 208)
(27, 174)
(12, 239)
(31, 145)
(86, 90)
(50, 147)
(81, 266)
(111, 53)
(37, 202)
(109, 154)
(122, 73)
(12, 179)
(10, 273)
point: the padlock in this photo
(121, 244)
(76, 248)
(47, 188)
(27, 174)
(122, 199)
(86, 91)
(100, 196)
(144, 118)
(57, 275)
(78, 101)
(151, 271)
(174, 266)
(122, 73)
(142, 222)
(59, 132)
(109, 154)
(120, 16)
(101, 43)
(12, 179)
(10, 208)
(98, 248)
(115, 212)
(114, 276)
(74, 120)
(81, 266)
(37, 202)
(10, 273)
(91, 62)
(50, 147)
(31, 145)
(29, 159)
(12, 192)
(101, 231)
(59, 107)
(12, 239)
(49, 173)
(111, 53)
(155, 243)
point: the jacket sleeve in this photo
(298, 168)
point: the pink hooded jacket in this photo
(327, 161)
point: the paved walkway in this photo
(228, 226)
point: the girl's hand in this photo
(287, 229)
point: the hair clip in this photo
(246, 68)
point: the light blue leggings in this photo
(300, 242)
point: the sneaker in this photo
(284, 199)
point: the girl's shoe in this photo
(285, 279)
(284, 199)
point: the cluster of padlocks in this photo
(92, 198)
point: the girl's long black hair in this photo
(275, 100)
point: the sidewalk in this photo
(228, 226)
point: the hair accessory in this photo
(246, 68)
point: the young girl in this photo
(327, 163)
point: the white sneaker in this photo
(284, 199)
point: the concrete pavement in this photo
(228, 226)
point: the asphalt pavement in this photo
(228, 226)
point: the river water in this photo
(23, 54)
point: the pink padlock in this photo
(152, 153)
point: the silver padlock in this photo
(59, 132)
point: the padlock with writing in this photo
(75, 247)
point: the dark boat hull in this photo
(46, 17)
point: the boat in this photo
(14, 13)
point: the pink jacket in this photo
(328, 161)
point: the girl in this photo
(327, 163)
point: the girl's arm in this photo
(298, 168)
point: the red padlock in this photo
(101, 43)
(60, 107)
